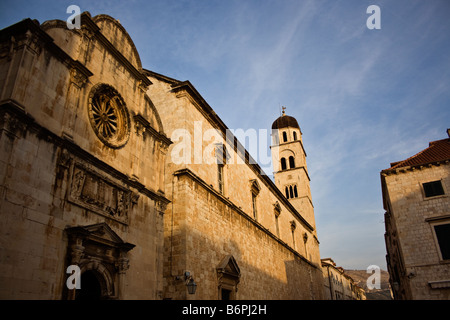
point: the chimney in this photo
(448, 132)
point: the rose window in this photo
(108, 115)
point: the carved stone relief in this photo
(97, 194)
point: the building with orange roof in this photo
(417, 220)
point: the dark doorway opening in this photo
(226, 294)
(90, 287)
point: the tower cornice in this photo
(290, 142)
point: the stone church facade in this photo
(110, 167)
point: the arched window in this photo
(295, 135)
(284, 136)
(291, 162)
(283, 164)
(295, 192)
(99, 274)
(287, 192)
(291, 193)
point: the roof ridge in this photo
(399, 163)
(443, 154)
(436, 141)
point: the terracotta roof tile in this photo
(436, 152)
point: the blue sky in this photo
(363, 98)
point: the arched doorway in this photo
(102, 258)
(90, 287)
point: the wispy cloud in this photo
(362, 98)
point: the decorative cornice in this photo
(87, 21)
(291, 169)
(405, 169)
(12, 108)
(289, 142)
(159, 76)
(441, 284)
(143, 125)
(21, 28)
(438, 218)
(88, 26)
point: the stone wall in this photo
(204, 228)
(38, 204)
(411, 218)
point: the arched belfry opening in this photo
(291, 162)
(283, 164)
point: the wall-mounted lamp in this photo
(191, 286)
(190, 283)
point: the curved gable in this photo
(68, 40)
(119, 38)
(110, 28)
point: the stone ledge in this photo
(441, 284)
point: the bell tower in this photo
(289, 165)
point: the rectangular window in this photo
(221, 160)
(254, 205)
(277, 226)
(220, 177)
(433, 189)
(293, 239)
(293, 226)
(443, 237)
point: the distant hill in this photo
(360, 277)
